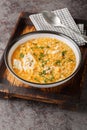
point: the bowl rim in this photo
(41, 32)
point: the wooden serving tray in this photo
(66, 95)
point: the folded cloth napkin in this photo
(66, 19)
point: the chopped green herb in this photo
(48, 68)
(70, 59)
(44, 63)
(45, 80)
(36, 46)
(42, 73)
(36, 79)
(48, 46)
(52, 78)
(21, 55)
(41, 56)
(41, 47)
(63, 53)
(58, 62)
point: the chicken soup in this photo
(43, 60)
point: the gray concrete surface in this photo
(29, 115)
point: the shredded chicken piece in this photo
(17, 64)
(28, 62)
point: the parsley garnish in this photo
(41, 56)
(58, 62)
(21, 55)
(63, 53)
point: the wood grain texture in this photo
(67, 94)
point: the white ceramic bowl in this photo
(10, 49)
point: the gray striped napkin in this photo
(66, 19)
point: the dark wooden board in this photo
(66, 94)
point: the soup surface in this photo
(43, 60)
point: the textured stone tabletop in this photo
(29, 115)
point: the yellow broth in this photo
(43, 60)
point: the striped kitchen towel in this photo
(66, 19)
